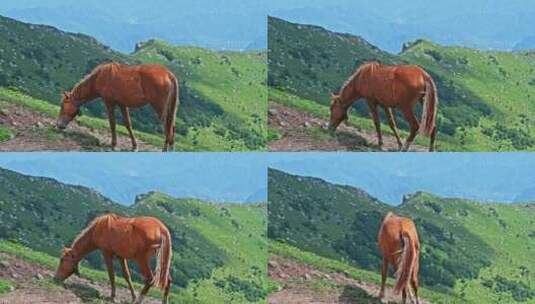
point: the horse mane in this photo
(361, 68)
(80, 84)
(93, 223)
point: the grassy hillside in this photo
(222, 93)
(477, 252)
(485, 96)
(219, 250)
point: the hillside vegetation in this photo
(222, 93)
(476, 252)
(486, 97)
(219, 249)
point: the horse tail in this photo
(163, 261)
(430, 106)
(406, 263)
(169, 115)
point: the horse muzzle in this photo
(61, 124)
(57, 279)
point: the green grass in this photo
(225, 107)
(5, 286)
(237, 230)
(485, 97)
(50, 262)
(222, 94)
(41, 106)
(472, 250)
(445, 142)
(219, 250)
(6, 134)
(337, 266)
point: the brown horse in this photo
(136, 239)
(399, 244)
(126, 86)
(390, 87)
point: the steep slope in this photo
(485, 96)
(222, 93)
(45, 215)
(469, 249)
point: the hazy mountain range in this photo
(389, 177)
(121, 177)
(233, 24)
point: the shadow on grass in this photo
(85, 293)
(353, 294)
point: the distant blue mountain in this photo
(229, 24)
(502, 177)
(121, 177)
(237, 24)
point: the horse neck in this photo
(83, 244)
(350, 91)
(85, 90)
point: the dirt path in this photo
(306, 285)
(34, 284)
(37, 132)
(302, 131)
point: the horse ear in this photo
(66, 94)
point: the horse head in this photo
(339, 112)
(68, 265)
(69, 110)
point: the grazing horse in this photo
(401, 87)
(126, 86)
(136, 239)
(399, 244)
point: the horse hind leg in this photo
(128, 125)
(414, 126)
(144, 268)
(165, 299)
(393, 126)
(384, 272)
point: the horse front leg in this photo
(414, 126)
(376, 121)
(108, 259)
(110, 109)
(128, 125)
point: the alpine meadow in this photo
(222, 93)
(486, 98)
(471, 252)
(219, 249)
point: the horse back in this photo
(392, 230)
(134, 85)
(128, 237)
